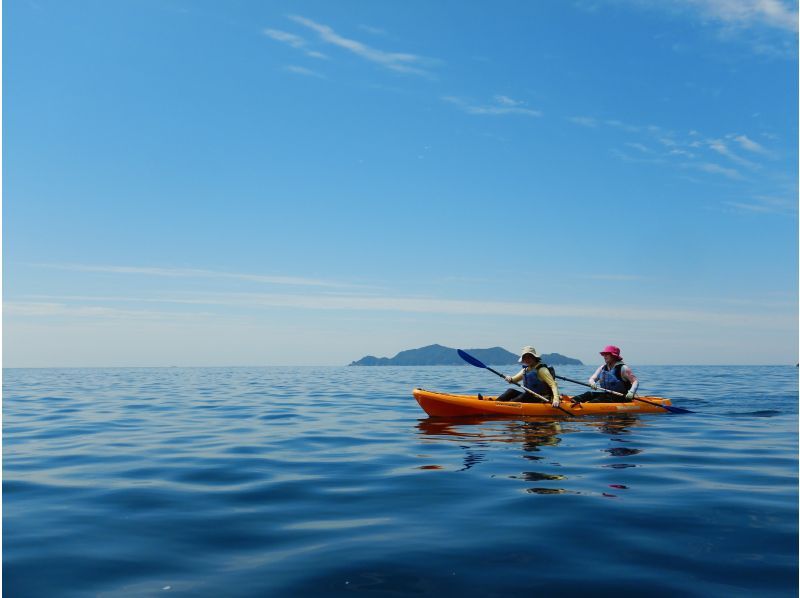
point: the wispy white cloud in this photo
(502, 105)
(722, 149)
(683, 153)
(748, 144)
(616, 277)
(732, 15)
(747, 13)
(372, 30)
(765, 205)
(584, 121)
(295, 41)
(592, 122)
(401, 304)
(288, 38)
(667, 141)
(301, 70)
(194, 273)
(639, 158)
(396, 61)
(687, 150)
(621, 125)
(639, 146)
(768, 27)
(40, 309)
(712, 168)
(507, 101)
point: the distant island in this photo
(440, 355)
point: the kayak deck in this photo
(440, 404)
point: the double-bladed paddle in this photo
(479, 364)
(614, 392)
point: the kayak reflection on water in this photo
(476, 437)
(616, 425)
(529, 434)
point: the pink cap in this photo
(611, 350)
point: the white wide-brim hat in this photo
(528, 349)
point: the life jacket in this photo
(612, 379)
(531, 380)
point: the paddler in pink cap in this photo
(614, 375)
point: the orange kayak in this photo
(440, 404)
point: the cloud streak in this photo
(301, 70)
(503, 105)
(295, 41)
(748, 144)
(748, 13)
(779, 16)
(690, 150)
(194, 273)
(401, 62)
(712, 168)
(55, 306)
(42, 309)
(584, 121)
(616, 277)
(722, 149)
(765, 205)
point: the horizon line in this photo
(155, 367)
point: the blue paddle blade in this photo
(669, 408)
(470, 359)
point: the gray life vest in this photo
(531, 380)
(612, 379)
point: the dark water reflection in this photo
(476, 437)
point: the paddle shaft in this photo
(619, 394)
(479, 364)
(612, 392)
(525, 388)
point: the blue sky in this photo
(251, 183)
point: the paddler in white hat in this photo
(535, 375)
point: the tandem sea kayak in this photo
(440, 404)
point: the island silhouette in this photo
(441, 355)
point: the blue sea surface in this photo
(306, 481)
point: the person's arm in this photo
(546, 377)
(516, 377)
(628, 374)
(593, 379)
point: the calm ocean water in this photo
(332, 481)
